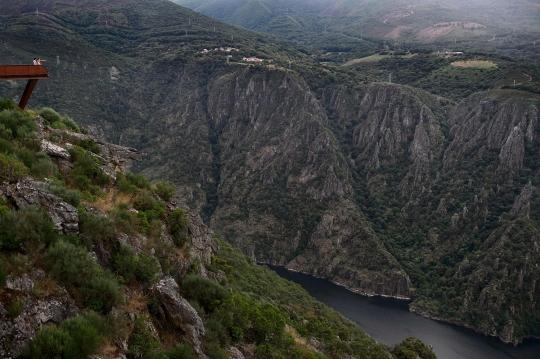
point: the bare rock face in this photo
(29, 193)
(522, 203)
(395, 121)
(37, 312)
(275, 148)
(492, 122)
(179, 312)
(200, 237)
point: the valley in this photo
(423, 188)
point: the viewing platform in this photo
(32, 73)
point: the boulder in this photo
(54, 150)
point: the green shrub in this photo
(50, 116)
(123, 184)
(217, 353)
(71, 196)
(177, 222)
(208, 293)
(16, 125)
(131, 267)
(15, 308)
(86, 171)
(152, 208)
(73, 267)
(125, 220)
(90, 144)
(27, 225)
(86, 334)
(181, 351)
(59, 125)
(72, 125)
(413, 348)
(6, 104)
(165, 190)
(141, 343)
(43, 167)
(6, 147)
(50, 343)
(138, 180)
(96, 228)
(18, 264)
(76, 338)
(11, 169)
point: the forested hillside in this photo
(423, 188)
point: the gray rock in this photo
(200, 237)
(16, 333)
(235, 353)
(179, 312)
(54, 150)
(28, 192)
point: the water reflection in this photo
(389, 321)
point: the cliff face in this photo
(398, 124)
(284, 185)
(493, 122)
(472, 219)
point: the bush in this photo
(72, 125)
(413, 348)
(165, 190)
(86, 171)
(27, 225)
(16, 125)
(181, 351)
(123, 184)
(131, 267)
(95, 228)
(208, 293)
(73, 267)
(177, 222)
(138, 180)
(11, 169)
(50, 116)
(50, 343)
(6, 104)
(70, 196)
(90, 145)
(15, 308)
(141, 343)
(76, 338)
(43, 167)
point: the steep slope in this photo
(444, 218)
(95, 261)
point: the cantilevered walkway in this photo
(32, 73)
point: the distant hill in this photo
(453, 24)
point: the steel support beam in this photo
(30, 85)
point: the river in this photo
(389, 321)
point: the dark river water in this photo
(389, 321)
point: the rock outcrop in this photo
(32, 193)
(38, 309)
(179, 312)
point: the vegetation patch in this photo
(477, 64)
